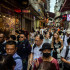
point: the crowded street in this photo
(34, 34)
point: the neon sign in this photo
(24, 11)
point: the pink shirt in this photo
(53, 61)
(56, 63)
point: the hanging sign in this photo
(68, 17)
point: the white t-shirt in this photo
(41, 31)
(65, 41)
(63, 52)
(47, 40)
(36, 52)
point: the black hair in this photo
(40, 35)
(7, 62)
(68, 41)
(11, 43)
(21, 31)
(23, 34)
(17, 31)
(13, 37)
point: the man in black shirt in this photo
(24, 50)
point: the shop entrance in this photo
(28, 25)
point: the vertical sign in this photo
(68, 17)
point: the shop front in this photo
(9, 20)
(28, 25)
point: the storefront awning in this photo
(52, 15)
(58, 17)
(65, 6)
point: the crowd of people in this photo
(43, 49)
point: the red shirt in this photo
(56, 63)
(53, 61)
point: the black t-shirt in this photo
(24, 49)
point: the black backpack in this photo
(34, 46)
(67, 50)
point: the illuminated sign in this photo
(17, 10)
(24, 11)
(64, 17)
(68, 17)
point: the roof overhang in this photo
(52, 15)
(58, 17)
(65, 6)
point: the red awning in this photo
(65, 6)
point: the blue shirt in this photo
(19, 65)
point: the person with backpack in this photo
(65, 56)
(11, 50)
(35, 53)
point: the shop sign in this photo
(23, 11)
(68, 17)
(26, 11)
(17, 10)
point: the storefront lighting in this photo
(24, 11)
(9, 18)
(39, 1)
(4, 16)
